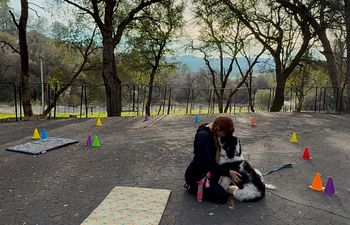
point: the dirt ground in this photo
(64, 186)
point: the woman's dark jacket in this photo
(204, 157)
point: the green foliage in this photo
(148, 43)
(309, 73)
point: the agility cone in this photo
(146, 118)
(98, 122)
(43, 135)
(88, 141)
(317, 183)
(196, 119)
(330, 188)
(294, 138)
(36, 134)
(96, 142)
(253, 122)
(306, 155)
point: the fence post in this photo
(341, 101)
(133, 98)
(231, 102)
(55, 97)
(138, 100)
(291, 100)
(191, 99)
(49, 98)
(324, 98)
(81, 100)
(86, 103)
(234, 103)
(164, 98)
(188, 99)
(209, 102)
(20, 101)
(269, 102)
(169, 101)
(15, 97)
(315, 105)
(336, 101)
(143, 99)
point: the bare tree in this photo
(221, 37)
(84, 49)
(280, 33)
(321, 15)
(150, 39)
(112, 18)
(23, 51)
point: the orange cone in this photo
(306, 155)
(317, 183)
(253, 122)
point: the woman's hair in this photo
(224, 124)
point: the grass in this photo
(174, 111)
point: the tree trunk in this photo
(150, 92)
(347, 22)
(221, 100)
(332, 68)
(278, 101)
(22, 36)
(110, 78)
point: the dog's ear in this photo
(239, 147)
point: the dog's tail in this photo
(270, 187)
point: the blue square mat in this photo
(42, 146)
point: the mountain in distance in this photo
(195, 63)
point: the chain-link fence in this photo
(90, 101)
(8, 101)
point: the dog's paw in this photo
(232, 189)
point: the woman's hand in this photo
(235, 176)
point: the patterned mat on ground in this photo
(41, 146)
(130, 205)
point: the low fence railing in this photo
(85, 101)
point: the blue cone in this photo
(43, 135)
(196, 119)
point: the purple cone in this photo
(89, 141)
(330, 188)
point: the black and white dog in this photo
(251, 187)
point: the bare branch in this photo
(31, 3)
(131, 16)
(5, 43)
(36, 12)
(79, 7)
(14, 19)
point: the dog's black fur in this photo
(251, 186)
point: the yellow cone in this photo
(36, 134)
(294, 138)
(98, 122)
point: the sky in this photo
(16, 4)
(42, 8)
(190, 30)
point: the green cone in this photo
(96, 142)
